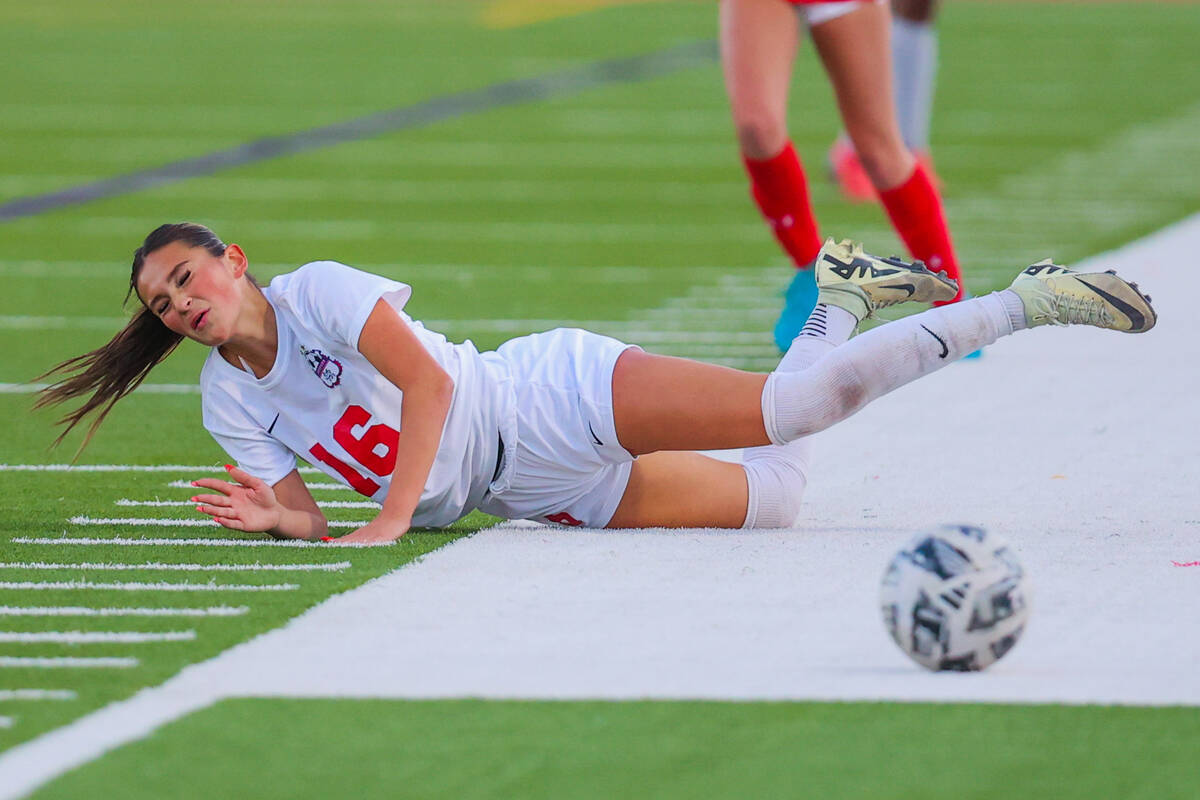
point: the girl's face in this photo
(193, 292)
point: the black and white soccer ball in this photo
(955, 598)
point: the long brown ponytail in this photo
(110, 372)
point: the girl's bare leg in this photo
(666, 403)
(680, 489)
(856, 53)
(683, 490)
(758, 48)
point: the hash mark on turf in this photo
(337, 566)
(87, 611)
(183, 523)
(157, 542)
(37, 694)
(67, 662)
(94, 637)
(161, 586)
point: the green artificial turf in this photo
(1060, 129)
(475, 749)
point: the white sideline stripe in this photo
(68, 662)
(184, 523)
(127, 468)
(336, 566)
(36, 694)
(135, 586)
(94, 637)
(126, 503)
(87, 611)
(159, 542)
(7, 722)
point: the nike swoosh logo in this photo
(911, 289)
(1136, 318)
(945, 350)
(273, 423)
(595, 438)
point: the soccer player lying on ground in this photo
(566, 426)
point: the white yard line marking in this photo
(7, 722)
(87, 611)
(94, 637)
(183, 523)
(36, 694)
(68, 662)
(127, 468)
(312, 486)
(127, 503)
(161, 542)
(135, 586)
(337, 566)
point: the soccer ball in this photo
(955, 598)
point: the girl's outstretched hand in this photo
(381, 530)
(248, 505)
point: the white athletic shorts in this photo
(816, 13)
(566, 466)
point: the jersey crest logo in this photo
(329, 370)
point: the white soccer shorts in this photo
(566, 466)
(815, 13)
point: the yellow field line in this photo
(500, 14)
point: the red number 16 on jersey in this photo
(362, 450)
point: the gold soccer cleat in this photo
(1060, 296)
(861, 283)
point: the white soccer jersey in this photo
(323, 401)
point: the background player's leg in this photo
(758, 47)
(914, 62)
(856, 53)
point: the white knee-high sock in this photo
(776, 475)
(914, 66)
(880, 360)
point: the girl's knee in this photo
(760, 135)
(776, 487)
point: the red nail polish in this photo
(326, 538)
(229, 466)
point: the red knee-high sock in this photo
(781, 191)
(916, 212)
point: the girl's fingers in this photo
(231, 523)
(212, 500)
(216, 485)
(243, 477)
(216, 511)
